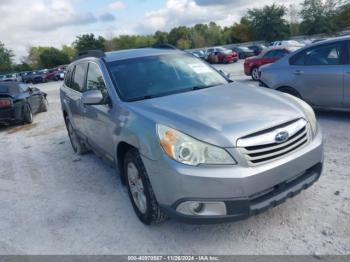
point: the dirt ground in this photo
(55, 202)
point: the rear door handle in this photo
(298, 72)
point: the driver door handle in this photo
(298, 72)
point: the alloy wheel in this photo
(136, 188)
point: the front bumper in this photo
(238, 209)
(247, 70)
(245, 190)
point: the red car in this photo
(54, 74)
(268, 56)
(216, 55)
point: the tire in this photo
(255, 73)
(44, 105)
(27, 114)
(77, 145)
(140, 190)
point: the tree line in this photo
(269, 23)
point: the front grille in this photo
(262, 147)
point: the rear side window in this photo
(270, 54)
(329, 54)
(78, 80)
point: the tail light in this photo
(234, 53)
(5, 102)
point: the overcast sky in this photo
(56, 22)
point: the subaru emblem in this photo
(281, 137)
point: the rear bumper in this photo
(9, 115)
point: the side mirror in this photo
(92, 97)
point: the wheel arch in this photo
(289, 90)
(122, 148)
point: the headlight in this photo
(309, 112)
(190, 151)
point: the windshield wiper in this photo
(142, 98)
(202, 87)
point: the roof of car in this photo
(140, 52)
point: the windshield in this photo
(154, 76)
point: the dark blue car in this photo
(18, 102)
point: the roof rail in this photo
(89, 53)
(164, 46)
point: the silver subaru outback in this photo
(188, 142)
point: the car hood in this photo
(222, 114)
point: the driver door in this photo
(98, 119)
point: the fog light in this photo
(202, 208)
(197, 207)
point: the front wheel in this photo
(140, 190)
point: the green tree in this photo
(214, 36)
(161, 37)
(318, 16)
(184, 43)
(69, 51)
(88, 42)
(342, 18)
(294, 20)
(130, 41)
(23, 66)
(268, 23)
(242, 32)
(181, 34)
(6, 56)
(52, 57)
(33, 58)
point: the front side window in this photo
(67, 77)
(79, 77)
(95, 80)
(147, 77)
(320, 55)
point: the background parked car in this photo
(220, 55)
(243, 51)
(257, 48)
(2, 77)
(18, 102)
(251, 65)
(286, 43)
(53, 74)
(199, 53)
(36, 77)
(319, 74)
(12, 78)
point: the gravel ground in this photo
(55, 202)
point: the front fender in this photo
(140, 132)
